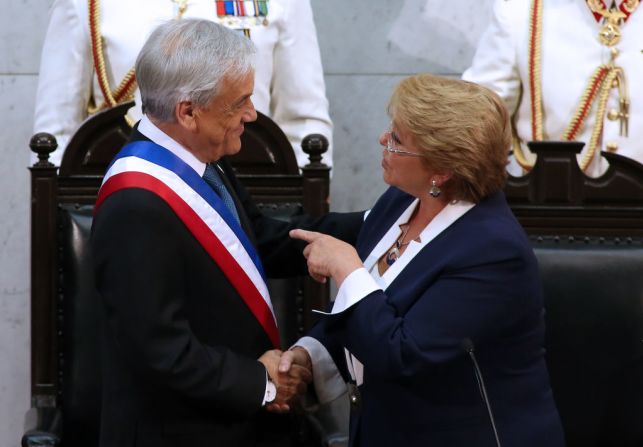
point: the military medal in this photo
(610, 35)
(610, 32)
(242, 14)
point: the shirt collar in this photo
(447, 216)
(147, 128)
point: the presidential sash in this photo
(146, 165)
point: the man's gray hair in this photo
(186, 60)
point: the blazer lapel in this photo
(381, 218)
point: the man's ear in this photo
(186, 115)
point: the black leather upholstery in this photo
(82, 323)
(594, 314)
(593, 286)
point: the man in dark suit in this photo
(179, 252)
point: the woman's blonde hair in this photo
(460, 127)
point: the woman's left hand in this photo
(328, 256)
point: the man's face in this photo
(220, 124)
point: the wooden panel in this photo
(556, 197)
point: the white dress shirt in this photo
(147, 128)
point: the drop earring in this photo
(435, 190)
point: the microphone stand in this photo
(468, 347)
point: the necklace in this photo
(394, 253)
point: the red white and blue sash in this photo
(146, 165)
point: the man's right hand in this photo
(290, 375)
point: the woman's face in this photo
(402, 164)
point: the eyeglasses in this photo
(391, 149)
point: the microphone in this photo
(467, 346)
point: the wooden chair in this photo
(65, 320)
(588, 236)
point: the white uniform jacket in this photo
(289, 84)
(571, 52)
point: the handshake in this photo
(291, 372)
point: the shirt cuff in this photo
(327, 380)
(271, 391)
(355, 287)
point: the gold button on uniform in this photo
(611, 146)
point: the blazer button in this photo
(354, 397)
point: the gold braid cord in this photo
(614, 74)
(586, 101)
(535, 79)
(599, 86)
(126, 88)
(535, 83)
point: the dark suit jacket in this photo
(478, 279)
(180, 346)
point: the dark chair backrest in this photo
(80, 320)
(65, 318)
(587, 234)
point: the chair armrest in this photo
(43, 427)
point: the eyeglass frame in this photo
(392, 150)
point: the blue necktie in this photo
(212, 178)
